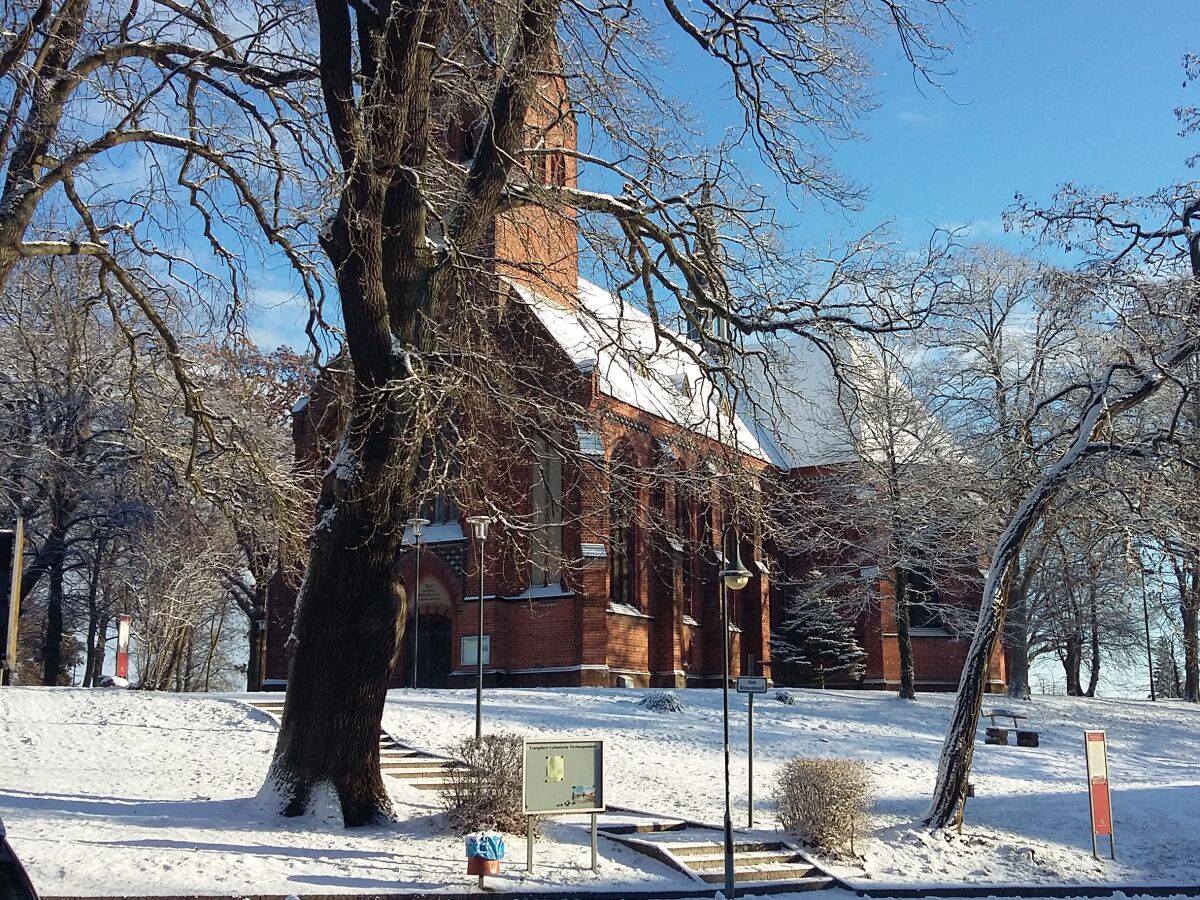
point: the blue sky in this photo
(1036, 94)
(1041, 93)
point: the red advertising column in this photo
(123, 647)
(1096, 751)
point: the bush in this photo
(484, 793)
(663, 702)
(785, 697)
(824, 802)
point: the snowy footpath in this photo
(131, 793)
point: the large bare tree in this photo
(1144, 267)
(393, 135)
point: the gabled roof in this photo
(790, 409)
(649, 368)
(818, 417)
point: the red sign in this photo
(122, 646)
(1101, 808)
(1096, 752)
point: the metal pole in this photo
(529, 844)
(416, 609)
(750, 750)
(595, 864)
(1149, 656)
(479, 652)
(725, 711)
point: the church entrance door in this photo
(433, 652)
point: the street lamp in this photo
(479, 527)
(416, 524)
(732, 579)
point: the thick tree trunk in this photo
(349, 621)
(1017, 636)
(94, 615)
(89, 661)
(52, 647)
(1072, 659)
(1189, 608)
(98, 652)
(908, 676)
(1094, 637)
(253, 669)
(255, 666)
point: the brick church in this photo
(592, 595)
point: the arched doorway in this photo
(434, 634)
(434, 642)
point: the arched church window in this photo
(683, 553)
(621, 534)
(546, 536)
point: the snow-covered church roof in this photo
(819, 416)
(650, 368)
(790, 408)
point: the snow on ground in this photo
(108, 792)
(122, 792)
(1028, 823)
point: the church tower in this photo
(537, 244)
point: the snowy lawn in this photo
(123, 792)
(1029, 820)
(118, 792)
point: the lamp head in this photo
(737, 576)
(479, 526)
(416, 524)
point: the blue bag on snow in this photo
(486, 845)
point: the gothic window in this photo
(683, 556)
(621, 536)
(546, 536)
(923, 600)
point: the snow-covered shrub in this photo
(785, 697)
(484, 792)
(662, 701)
(824, 802)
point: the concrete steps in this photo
(753, 861)
(696, 849)
(416, 768)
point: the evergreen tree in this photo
(1167, 683)
(817, 640)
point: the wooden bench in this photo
(999, 735)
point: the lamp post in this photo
(416, 524)
(1149, 655)
(732, 579)
(479, 526)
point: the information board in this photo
(468, 651)
(563, 777)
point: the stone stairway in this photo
(418, 769)
(768, 864)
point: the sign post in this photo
(751, 685)
(123, 646)
(562, 777)
(1099, 798)
(12, 564)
